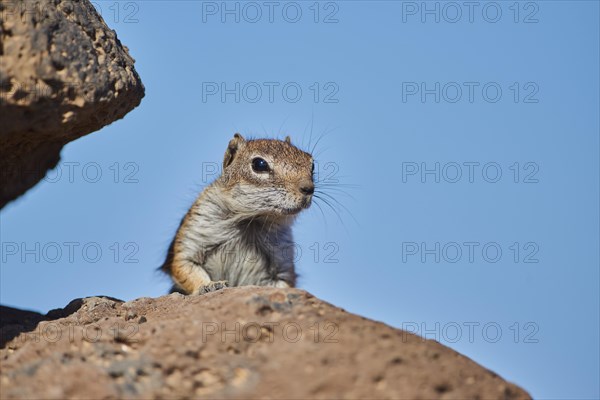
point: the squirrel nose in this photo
(308, 188)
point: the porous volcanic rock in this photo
(248, 342)
(63, 74)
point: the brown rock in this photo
(248, 342)
(64, 74)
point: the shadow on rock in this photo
(13, 321)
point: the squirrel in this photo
(238, 231)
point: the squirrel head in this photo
(267, 177)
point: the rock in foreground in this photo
(247, 342)
(64, 74)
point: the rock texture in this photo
(249, 342)
(63, 74)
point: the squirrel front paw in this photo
(211, 287)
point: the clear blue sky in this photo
(422, 116)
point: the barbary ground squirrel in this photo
(238, 231)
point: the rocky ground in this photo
(244, 342)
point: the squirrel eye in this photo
(260, 165)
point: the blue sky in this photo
(466, 140)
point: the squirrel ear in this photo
(232, 149)
(288, 140)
